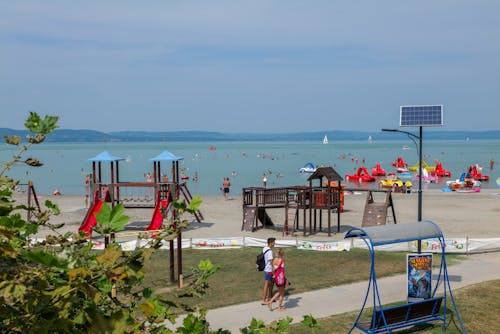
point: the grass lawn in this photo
(238, 281)
(478, 306)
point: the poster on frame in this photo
(419, 273)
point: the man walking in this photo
(267, 292)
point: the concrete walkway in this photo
(340, 299)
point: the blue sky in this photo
(249, 66)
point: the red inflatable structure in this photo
(477, 175)
(378, 170)
(440, 171)
(361, 175)
(399, 163)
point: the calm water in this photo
(65, 165)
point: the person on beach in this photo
(492, 163)
(164, 178)
(87, 190)
(267, 292)
(149, 179)
(264, 180)
(225, 187)
(279, 263)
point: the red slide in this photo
(157, 219)
(90, 220)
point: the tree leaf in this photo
(195, 203)
(37, 125)
(77, 273)
(44, 258)
(110, 256)
(33, 162)
(12, 140)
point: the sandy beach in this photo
(474, 215)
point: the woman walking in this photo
(280, 281)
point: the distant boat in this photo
(406, 147)
(370, 139)
(325, 140)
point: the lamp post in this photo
(419, 138)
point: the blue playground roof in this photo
(105, 156)
(166, 156)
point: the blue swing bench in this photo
(387, 319)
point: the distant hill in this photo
(68, 135)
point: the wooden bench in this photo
(405, 315)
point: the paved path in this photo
(340, 299)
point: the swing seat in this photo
(385, 320)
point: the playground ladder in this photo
(32, 195)
(249, 218)
(375, 213)
(189, 197)
(290, 219)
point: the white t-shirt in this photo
(268, 257)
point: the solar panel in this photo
(431, 115)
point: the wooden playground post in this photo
(31, 194)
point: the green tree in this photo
(62, 285)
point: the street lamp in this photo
(419, 138)
(419, 115)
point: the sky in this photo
(249, 66)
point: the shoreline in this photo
(473, 215)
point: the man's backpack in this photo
(260, 263)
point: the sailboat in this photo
(370, 139)
(325, 140)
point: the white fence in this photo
(453, 245)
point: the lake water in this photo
(66, 164)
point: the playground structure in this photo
(325, 196)
(165, 192)
(313, 200)
(415, 311)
